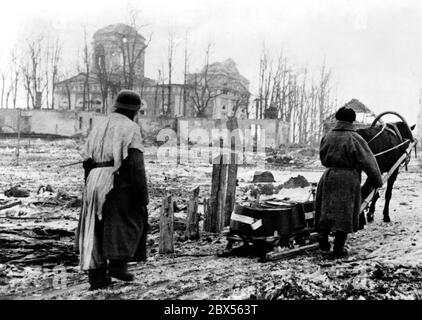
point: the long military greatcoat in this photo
(345, 154)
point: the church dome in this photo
(119, 29)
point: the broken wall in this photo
(73, 123)
(276, 132)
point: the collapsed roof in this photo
(363, 113)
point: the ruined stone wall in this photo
(71, 123)
(276, 132)
(49, 122)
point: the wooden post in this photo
(211, 224)
(218, 196)
(207, 215)
(231, 192)
(166, 226)
(19, 136)
(192, 219)
(232, 172)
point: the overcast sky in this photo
(374, 48)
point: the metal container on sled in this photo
(268, 219)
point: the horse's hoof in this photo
(386, 219)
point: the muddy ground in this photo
(36, 237)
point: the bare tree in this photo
(161, 87)
(170, 55)
(287, 93)
(323, 95)
(34, 80)
(3, 76)
(54, 71)
(132, 46)
(86, 105)
(52, 57)
(185, 74)
(68, 88)
(15, 77)
(104, 75)
(203, 90)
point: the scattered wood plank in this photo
(23, 249)
(167, 226)
(10, 205)
(271, 256)
(192, 220)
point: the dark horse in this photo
(388, 142)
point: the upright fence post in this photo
(19, 137)
(192, 220)
(232, 171)
(218, 196)
(166, 226)
(207, 215)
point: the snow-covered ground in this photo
(385, 259)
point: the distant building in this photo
(227, 87)
(364, 115)
(116, 45)
(118, 61)
(217, 91)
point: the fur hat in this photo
(128, 100)
(346, 114)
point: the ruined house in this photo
(218, 91)
(364, 115)
(227, 88)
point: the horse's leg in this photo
(370, 214)
(388, 193)
(365, 190)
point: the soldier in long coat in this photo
(113, 222)
(345, 154)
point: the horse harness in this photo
(392, 127)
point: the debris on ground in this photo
(75, 203)
(265, 189)
(265, 176)
(37, 246)
(37, 235)
(16, 192)
(47, 188)
(296, 156)
(296, 182)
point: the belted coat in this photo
(345, 154)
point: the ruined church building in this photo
(118, 61)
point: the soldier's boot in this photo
(118, 269)
(98, 278)
(339, 241)
(324, 244)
